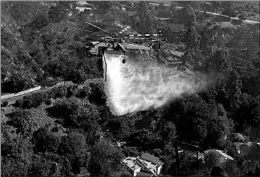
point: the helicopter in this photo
(114, 42)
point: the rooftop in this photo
(131, 163)
(142, 174)
(151, 167)
(151, 158)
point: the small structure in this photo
(144, 165)
(153, 164)
(132, 164)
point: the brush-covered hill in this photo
(37, 45)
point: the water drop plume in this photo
(136, 85)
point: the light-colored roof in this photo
(131, 163)
(82, 9)
(150, 158)
(151, 167)
(134, 46)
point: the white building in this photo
(131, 163)
(144, 165)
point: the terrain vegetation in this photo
(69, 130)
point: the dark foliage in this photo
(21, 120)
(105, 159)
(33, 100)
(4, 104)
(84, 92)
(46, 51)
(97, 95)
(45, 141)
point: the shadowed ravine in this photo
(138, 85)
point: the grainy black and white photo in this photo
(130, 88)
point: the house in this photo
(133, 165)
(151, 163)
(96, 47)
(145, 165)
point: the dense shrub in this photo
(4, 104)
(21, 119)
(72, 91)
(33, 100)
(45, 141)
(74, 143)
(84, 92)
(13, 167)
(105, 159)
(16, 83)
(97, 95)
(48, 102)
(59, 92)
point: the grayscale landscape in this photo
(130, 89)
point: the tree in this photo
(59, 92)
(169, 132)
(76, 76)
(103, 5)
(220, 62)
(173, 8)
(16, 83)
(192, 119)
(39, 22)
(13, 167)
(55, 68)
(84, 92)
(93, 132)
(218, 128)
(97, 95)
(74, 147)
(45, 141)
(4, 104)
(249, 109)
(191, 36)
(189, 16)
(105, 159)
(242, 17)
(74, 143)
(229, 12)
(40, 167)
(58, 12)
(145, 16)
(213, 158)
(218, 171)
(33, 100)
(21, 119)
(74, 113)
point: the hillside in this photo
(68, 128)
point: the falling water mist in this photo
(138, 85)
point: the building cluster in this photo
(145, 165)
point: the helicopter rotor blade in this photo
(80, 29)
(98, 27)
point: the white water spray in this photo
(137, 85)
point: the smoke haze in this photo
(137, 85)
